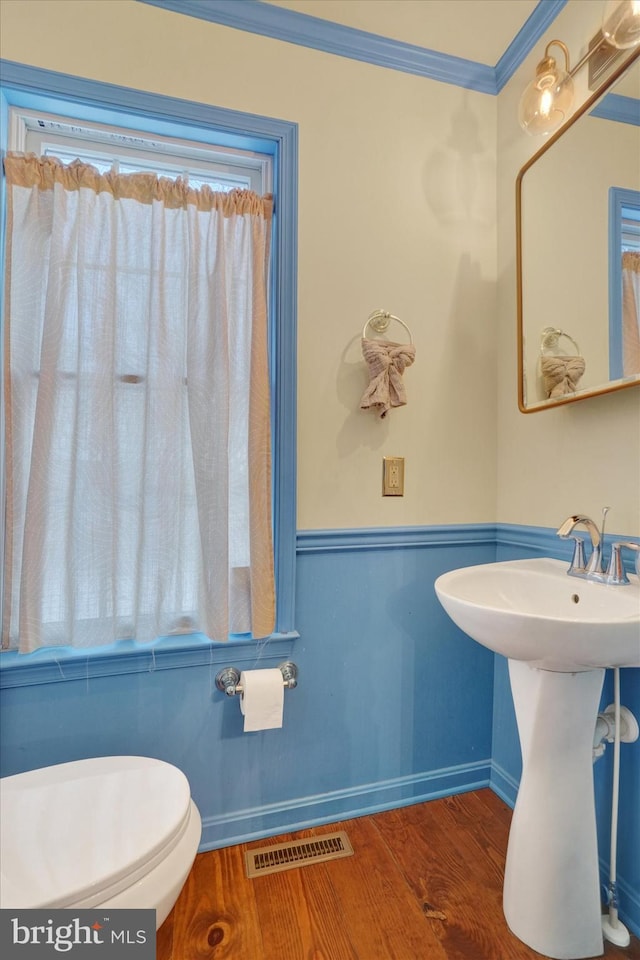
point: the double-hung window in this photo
(138, 420)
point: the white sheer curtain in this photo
(138, 425)
(630, 313)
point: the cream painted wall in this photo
(584, 455)
(397, 211)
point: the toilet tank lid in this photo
(70, 830)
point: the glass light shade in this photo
(546, 102)
(621, 23)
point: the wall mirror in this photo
(578, 252)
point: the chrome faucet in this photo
(595, 570)
(578, 566)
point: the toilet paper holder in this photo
(228, 679)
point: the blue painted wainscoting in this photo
(394, 704)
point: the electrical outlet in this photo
(393, 476)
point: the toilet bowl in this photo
(105, 832)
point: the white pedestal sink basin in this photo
(559, 634)
(531, 610)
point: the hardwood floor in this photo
(425, 883)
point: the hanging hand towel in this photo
(560, 375)
(387, 362)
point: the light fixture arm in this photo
(565, 50)
(595, 48)
(581, 62)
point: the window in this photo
(199, 166)
(133, 151)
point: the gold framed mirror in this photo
(577, 213)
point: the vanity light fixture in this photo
(547, 100)
(621, 23)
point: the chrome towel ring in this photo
(549, 340)
(379, 321)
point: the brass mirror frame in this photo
(615, 385)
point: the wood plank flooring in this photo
(425, 883)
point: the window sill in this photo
(54, 665)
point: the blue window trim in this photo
(619, 198)
(32, 87)
(320, 34)
(51, 665)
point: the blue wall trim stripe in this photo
(324, 35)
(380, 538)
(300, 814)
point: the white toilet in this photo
(109, 831)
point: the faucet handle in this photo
(578, 561)
(616, 572)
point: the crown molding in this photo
(279, 23)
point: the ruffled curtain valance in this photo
(44, 173)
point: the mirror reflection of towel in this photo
(387, 362)
(560, 375)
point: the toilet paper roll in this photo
(262, 700)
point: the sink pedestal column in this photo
(551, 885)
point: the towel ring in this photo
(549, 340)
(379, 321)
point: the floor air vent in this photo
(297, 853)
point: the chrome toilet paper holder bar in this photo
(228, 679)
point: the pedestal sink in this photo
(559, 634)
